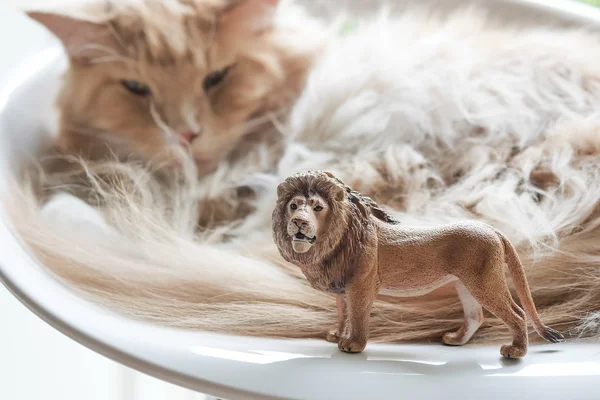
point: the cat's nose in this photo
(188, 137)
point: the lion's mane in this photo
(331, 259)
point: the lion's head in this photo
(316, 211)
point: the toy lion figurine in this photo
(344, 243)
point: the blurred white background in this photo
(37, 362)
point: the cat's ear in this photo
(83, 40)
(248, 16)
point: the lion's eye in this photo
(294, 207)
(318, 208)
(137, 88)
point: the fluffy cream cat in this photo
(438, 119)
(148, 76)
(169, 82)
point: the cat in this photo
(438, 119)
(166, 82)
(144, 77)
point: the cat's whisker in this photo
(270, 117)
(159, 121)
(119, 148)
(113, 143)
(170, 134)
(189, 114)
(100, 134)
(256, 121)
(278, 125)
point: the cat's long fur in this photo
(460, 121)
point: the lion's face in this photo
(311, 216)
(306, 220)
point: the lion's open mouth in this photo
(300, 237)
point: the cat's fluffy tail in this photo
(147, 264)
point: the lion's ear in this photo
(280, 189)
(340, 194)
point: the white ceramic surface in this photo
(251, 368)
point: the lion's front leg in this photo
(335, 335)
(359, 300)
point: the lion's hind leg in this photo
(491, 290)
(472, 321)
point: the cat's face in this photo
(156, 77)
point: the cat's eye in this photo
(214, 78)
(294, 207)
(137, 88)
(318, 208)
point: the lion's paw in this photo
(352, 345)
(511, 351)
(333, 336)
(453, 339)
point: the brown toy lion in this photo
(346, 244)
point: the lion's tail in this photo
(517, 273)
